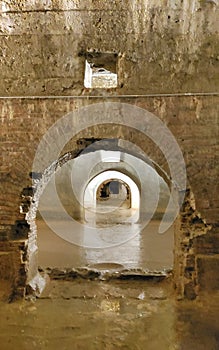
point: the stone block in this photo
(5, 265)
(189, 291)
(207, 244)
(208, 272)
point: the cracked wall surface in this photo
(163, 47)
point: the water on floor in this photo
(105, 241)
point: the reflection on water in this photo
(79, 233)
(108, 236)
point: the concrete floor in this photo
(129, 314)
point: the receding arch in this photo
(90, 192)
(47, 175)
(110, 111)
(114, 188)
(91, 189)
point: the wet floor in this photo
(145, 249)
(129, 314)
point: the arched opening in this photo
(134, 246)
(110, 234)
(114, 189)
(111, 197)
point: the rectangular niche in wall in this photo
(100, 70)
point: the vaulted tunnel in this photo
(121, 231)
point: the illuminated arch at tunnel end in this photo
(93, 185)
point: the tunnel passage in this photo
(114, 188)
(132, 248)
(111, 197)
(109, 230)
(114, 193)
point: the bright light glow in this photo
(110, 156)
(91, 190)
(99, 78)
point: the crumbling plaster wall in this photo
(166, 47)
(163, 46)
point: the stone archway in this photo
(91, 191)
(188, 227)
(183, 247)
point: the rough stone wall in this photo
(189, 227)
(24, 122)
(163, 46)
(166, 47)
